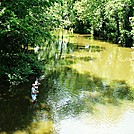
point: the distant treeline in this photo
(109, 20)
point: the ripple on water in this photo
(107, 120)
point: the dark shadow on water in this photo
(90, 48)
(78, 46)
(15, 108)
(14, 112)
(88, 58)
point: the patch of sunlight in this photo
(107, 119)
(107, 114)
(82, 67)
(42, 127)
(20, 132)
(110, 62)
(104, 66)
(3, 132)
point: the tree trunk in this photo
(118, 27)
(128, 41)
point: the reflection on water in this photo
(97, 97)
(79, 104)
(113, 63)
(90, 93)
(87, 124)
(109, 120)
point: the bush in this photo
(16, 68)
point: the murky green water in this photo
(90, 92)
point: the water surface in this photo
(90, 92)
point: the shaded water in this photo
(91, 91)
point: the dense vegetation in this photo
(26, 24)
(108, 20)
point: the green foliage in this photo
(108, 20)
(61, 14)
(18, 67)
(24, 24)
(27, 24)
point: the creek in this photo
(90, 92)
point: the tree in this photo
(23, 24)
(110, 20)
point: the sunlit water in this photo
(78, 101)
(99, 124)
(73, 113)
(107, 61)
